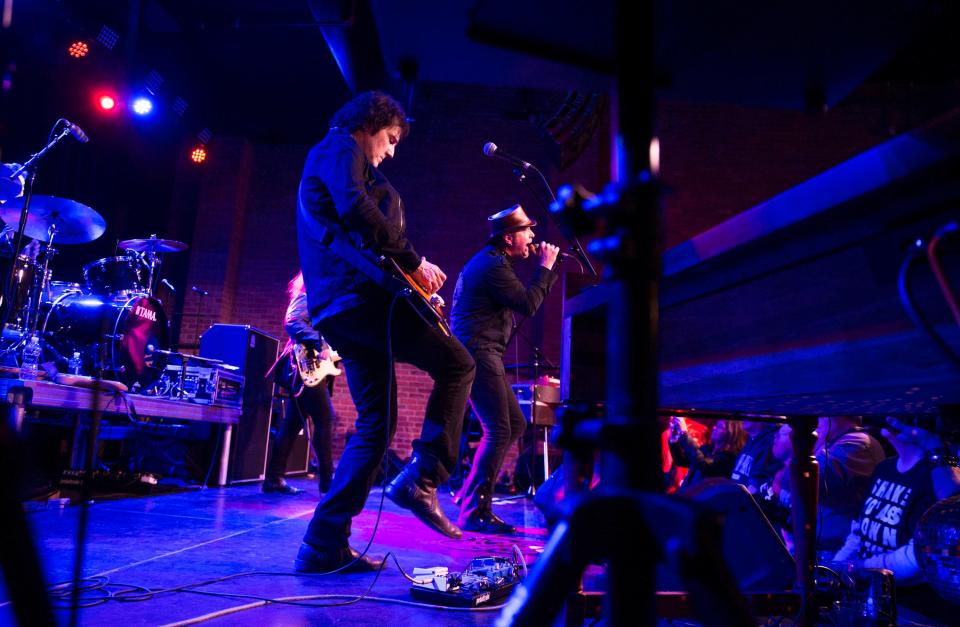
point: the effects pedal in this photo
(485, 581)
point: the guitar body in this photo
(429, 306)
(313, 370)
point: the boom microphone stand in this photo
(29, 171)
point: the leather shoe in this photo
(279, 486)
(409, 492)
(487, 523)
(344, 560)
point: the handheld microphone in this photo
(490, 149)
(76, 131)
(199, 290)
(535, 250)
(169, 286)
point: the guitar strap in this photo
(332, 236)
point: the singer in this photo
(487, 293)
(342, 184)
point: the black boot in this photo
(482, 519)
(418, 494)
(343, 560)
(280, 486)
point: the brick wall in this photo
(718, 159)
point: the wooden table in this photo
(53, 396)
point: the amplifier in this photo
(202, 384)
(547, 399)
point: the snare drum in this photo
(114, 276)
(118, 335)
(56, 289)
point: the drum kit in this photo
(114, 320)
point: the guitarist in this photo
(305, 402)
(488, 293)
(342, 185)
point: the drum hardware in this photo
(148, 250)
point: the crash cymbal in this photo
(75, 223)
(153, 245)
(9, 188)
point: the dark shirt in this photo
(756, 463)
(893, 506)
(487, 293)
(339, 185)
(297, 323)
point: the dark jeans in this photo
(503, 424)
(360, 337)
(313, 403)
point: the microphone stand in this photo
(575, 245)
(29, 170)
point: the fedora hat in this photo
(508, 221)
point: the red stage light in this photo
(107, 102)
(198, 155)
(78, 49)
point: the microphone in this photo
(199, 290)
(76, 131)
(490, 149)
(169, 286)
(535, 250)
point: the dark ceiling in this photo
(264, 69)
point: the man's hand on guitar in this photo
(429, 276)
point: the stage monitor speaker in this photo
(752, 548)
(254, 352)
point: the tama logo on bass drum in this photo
(142, 312)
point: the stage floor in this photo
(188, 537)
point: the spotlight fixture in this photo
(108, 37)
(142, 106)
(198, 155)
(106, 102)
(180, 106)
(78, 49)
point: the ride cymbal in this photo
(75, 223)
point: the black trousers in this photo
(360, 336)
(503, 424)
(312, 404)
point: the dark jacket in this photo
(487, 293)
(341, 186)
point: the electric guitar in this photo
(313, 370)
(382, 270)
(429, 306)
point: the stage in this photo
(193, 535)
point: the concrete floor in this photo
(192, 536)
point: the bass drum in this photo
(111, 334)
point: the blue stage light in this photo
(142, 106)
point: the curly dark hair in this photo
(370, 112)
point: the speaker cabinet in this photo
(254, 352)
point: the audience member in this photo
(711, 459)
(756, 464)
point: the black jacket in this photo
(341, 186)
(487, 293)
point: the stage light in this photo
(198, 154)
(78, 49)
(107, 102)
(142, 105)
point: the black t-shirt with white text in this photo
(893, 506)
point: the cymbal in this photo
(153, 245)
(75, 223)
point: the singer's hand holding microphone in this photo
(548, 253)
